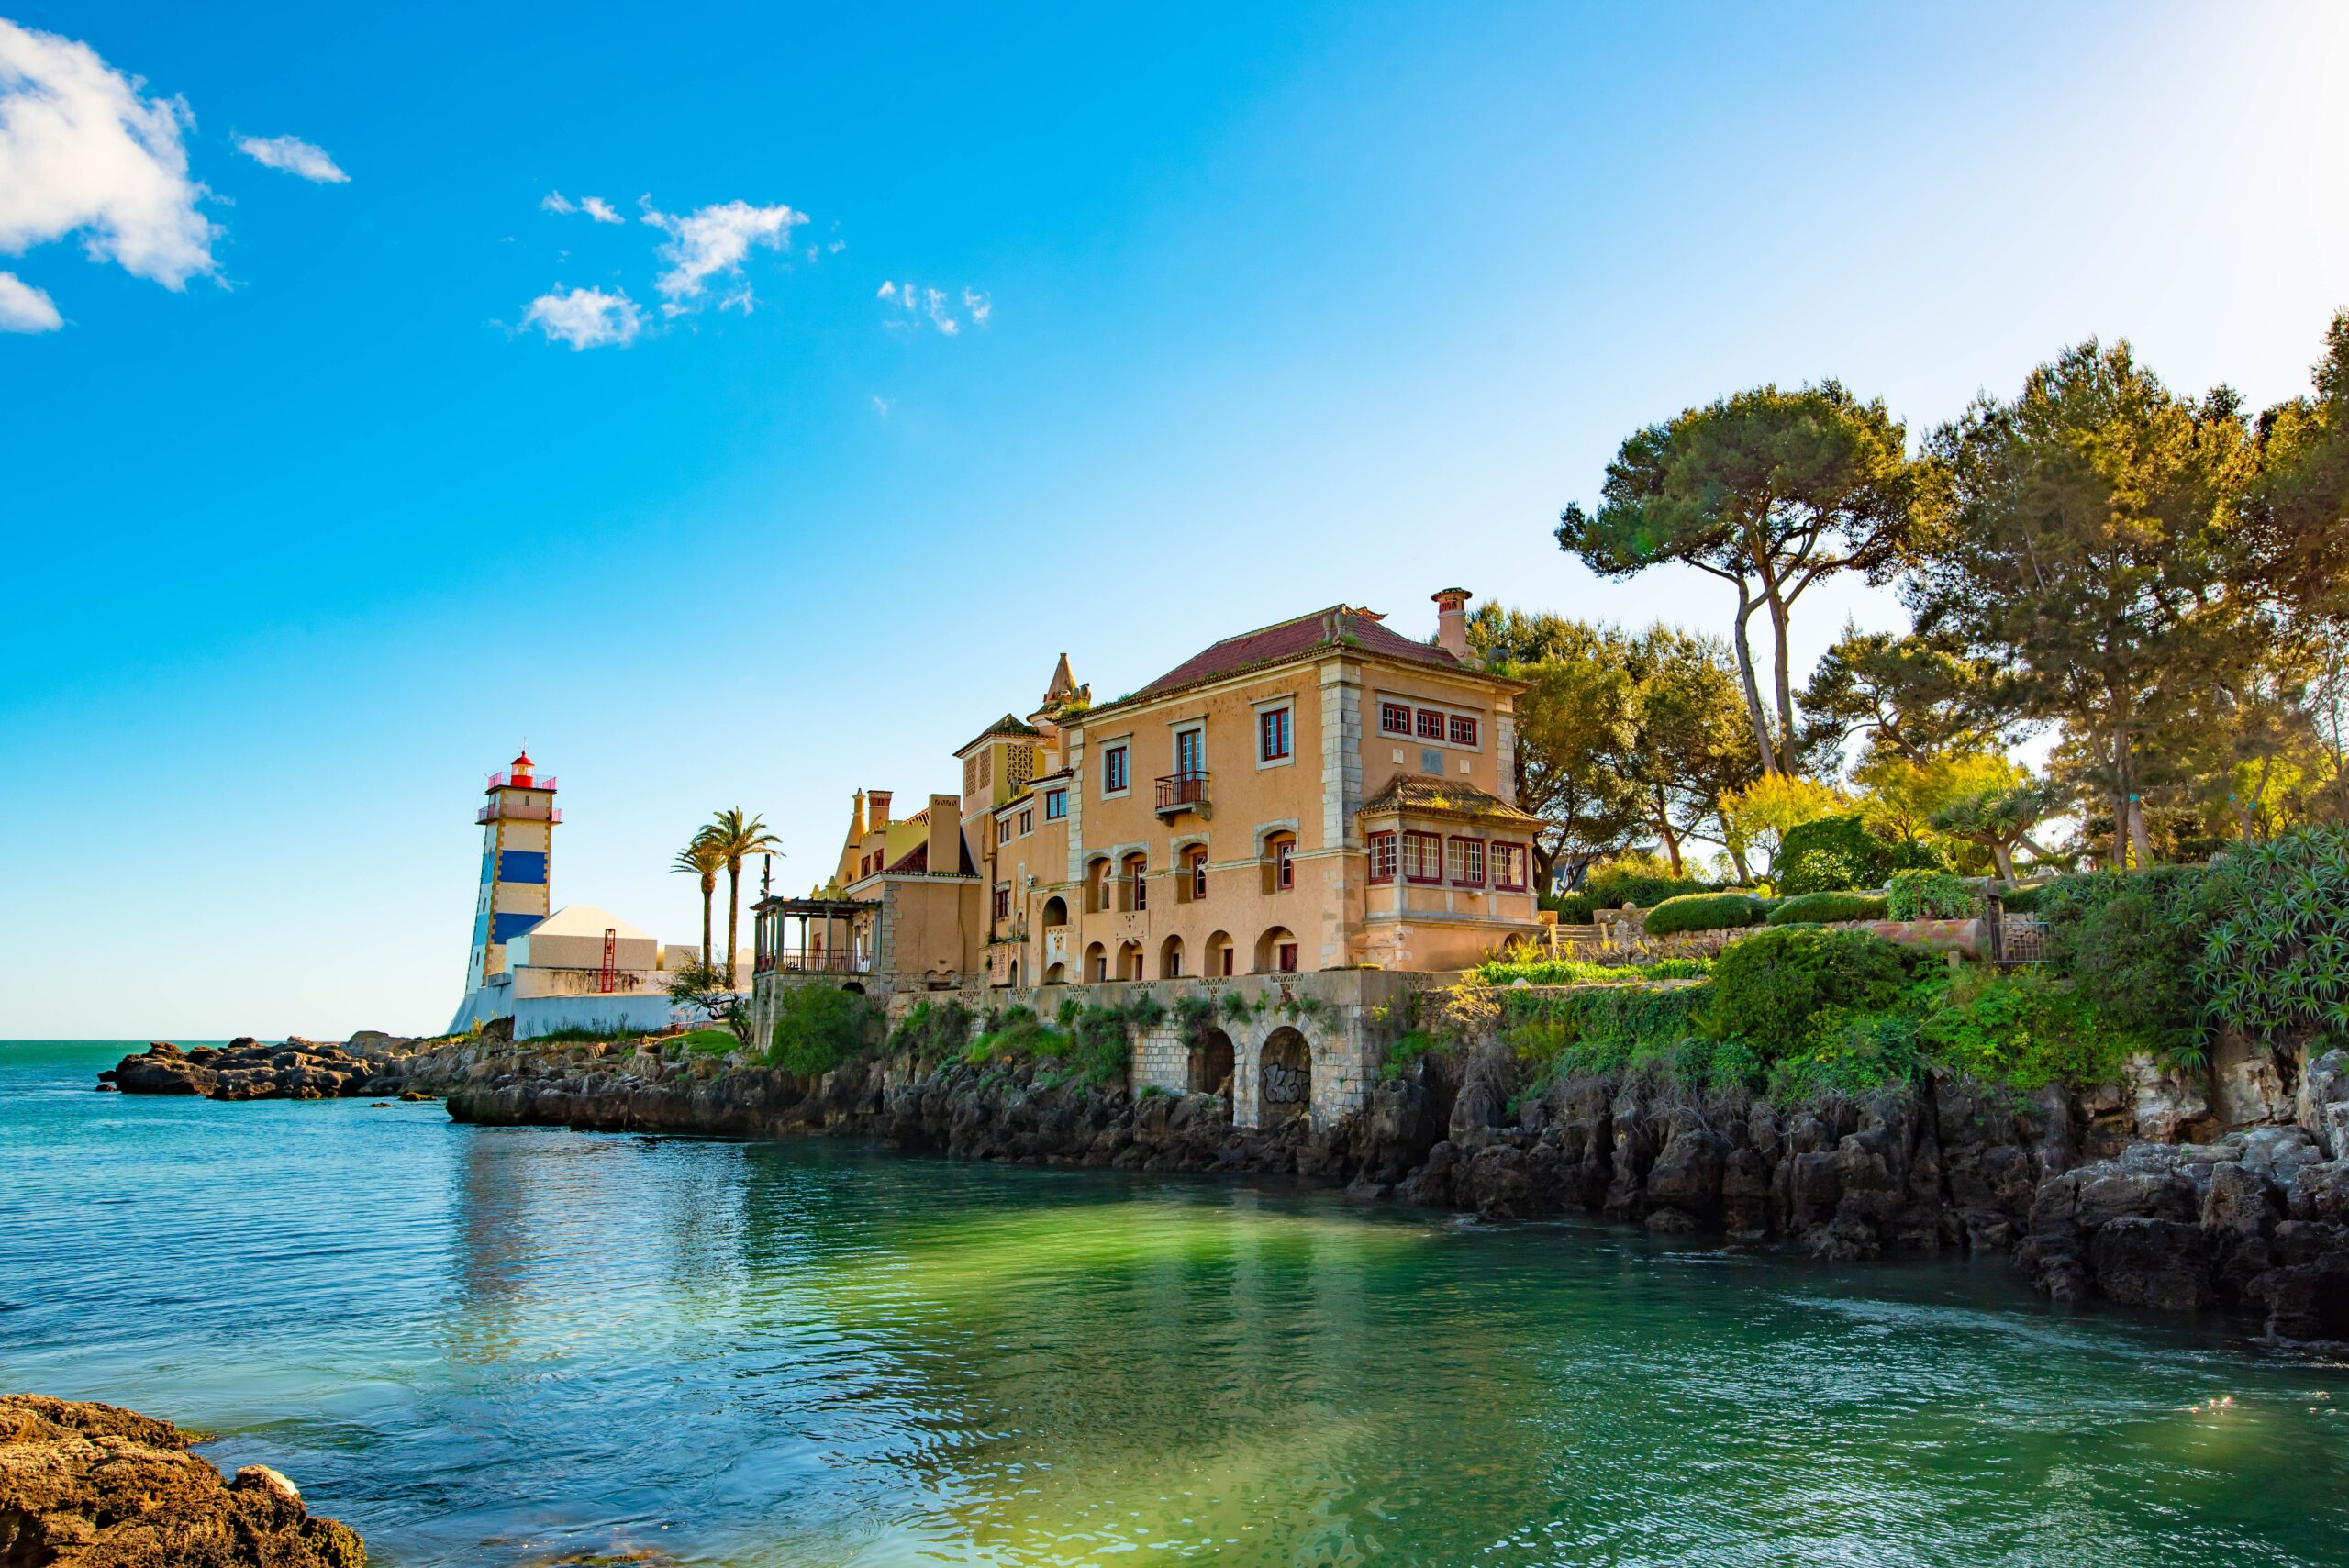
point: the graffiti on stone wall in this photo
(1284, 1086)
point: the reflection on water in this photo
(494, 1346)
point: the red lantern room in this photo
(521, 766)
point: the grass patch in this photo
(1581, 971)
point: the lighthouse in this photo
(517, 843)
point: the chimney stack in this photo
(879, 799)
(859, 825)
(1451, 622)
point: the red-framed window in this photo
(1465, 861)
(1003, 902)
(1423, 857)
(1394, 718)
(1055, 804)
(1430, 725)
(1288, 958)
(1382, 857)
(1464, 730)
(1113, 770)
(1508, 867)
(1273, 734)
(1285, 864)
(1199, 873)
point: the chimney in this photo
(1451, 622)
(879, 799)
(859, 825)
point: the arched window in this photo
(1055, 911)
(1218, 951)
(1133, 883)
(1276, 951)
(1097, 964)
(1056, 975)
(1097, 884)
(1170, 959)
(1280, 862)
(1194, 869)
(1130, 960)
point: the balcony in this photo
(521, 781)
(1178, 792)
(815, 960)
(519, 811)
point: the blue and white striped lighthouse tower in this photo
(516, 845)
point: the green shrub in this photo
(1601, 1029)
(2130, 940)
(2020, 1030)
(1572, 908)
(1826, 908)
(1194, 1016)
(1704, 912)
(1015, 1033)
(2026, 899)
(1236, 1008)
(1619, 887)
(1406, 1053)
(2274, 960)
(1847, 1052)
(1100, 1054)
(1766, 989)
(817, 1028)
(708, 1042)
(933, 1032)
(1933, 896)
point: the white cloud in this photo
(714, 240)
(595, 207)
(881, 405)
(85, 152)
(921, 304)
(586, 318)
(294, 156)
(980, 305)
(24, 308)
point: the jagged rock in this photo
(2321, 1104)
(95, 1486)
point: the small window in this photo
(1508, 867)
(1430, 725)
(1003, 834)
(1285, 864)
(1382, 857)
(1003, 901)
(1288, 958)
(1464, 730)
(1273, 734)
(1113, 770)
(1423, 857)
(1199, 873)
(1394, 718)
(1055, 804)
(1027, 822)
(1466, 862)
(1141, 874)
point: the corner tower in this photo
(517, 841)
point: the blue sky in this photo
(1343, 303)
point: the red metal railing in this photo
(508, 780)
(816, 963)
(519, 811)
(1178, 792)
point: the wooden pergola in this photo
(834, 949)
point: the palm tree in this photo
(703, 858)
(735, 838)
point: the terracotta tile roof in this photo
(1292, 640)
(1424, 796)
(915, 860)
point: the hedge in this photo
(1704, 912)
(1836, 852)
(1934, 896)
(1827, 908)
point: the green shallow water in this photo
(506, 1346)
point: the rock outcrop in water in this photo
(95, 1486)
(247, 1068)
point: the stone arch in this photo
(852, 988)
(1133, 881)
(1215, 956)
(1213, 1067)
(1170, 959)
(1055, 911)
(1057, 974)
(1276, 951)
(1097, 964)
(1012, 977)
(1130, 960)
(1283, 1078)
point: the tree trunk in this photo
(708, 892)
(2003, 852)
(1783, 682)
(2120, 780)
(2138, 836)
(1545, 866)
(733, 914)
(1760, 720)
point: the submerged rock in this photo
(95, 1486)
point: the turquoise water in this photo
(510, 1346)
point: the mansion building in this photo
(1325, 793)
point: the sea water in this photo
(500, 1346)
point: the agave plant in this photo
(2274, 960)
